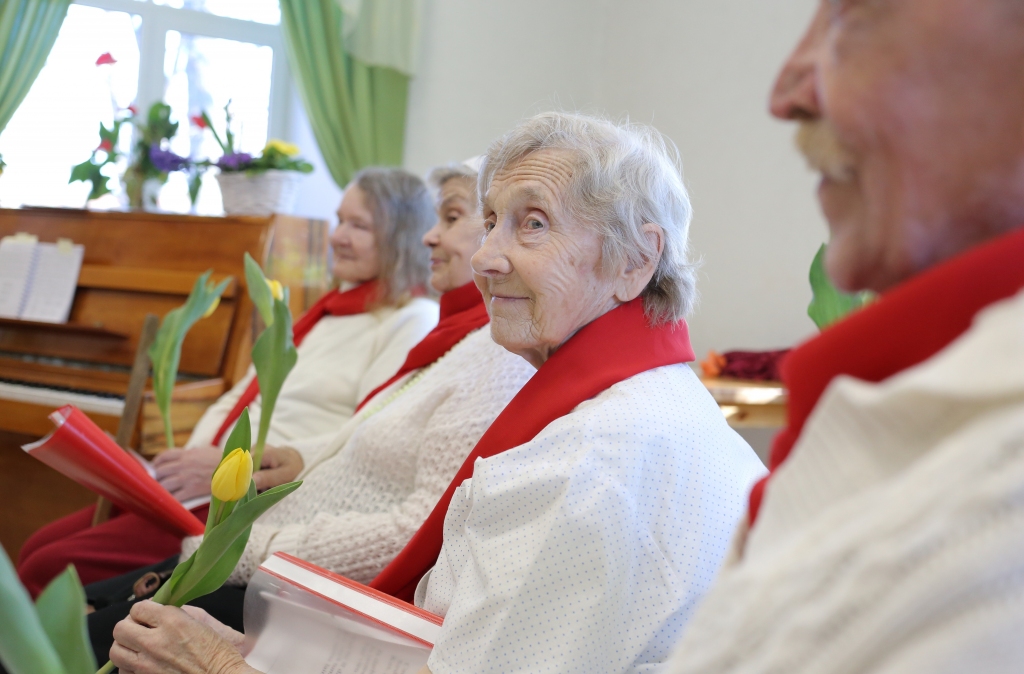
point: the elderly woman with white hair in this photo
(594, 512)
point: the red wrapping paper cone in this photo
(84, 453)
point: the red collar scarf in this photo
(335, 303)
(615, 347)
(462, 312)
(907, 326)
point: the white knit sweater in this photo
(341, 360)
(366, 493)
(892, 540)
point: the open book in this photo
(79, 449)
(38, 280)
(302, 619)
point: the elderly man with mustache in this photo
(890, 535)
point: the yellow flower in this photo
(287, 149)
(231, 479)
(213, 307)
(276, 289)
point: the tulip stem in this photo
(218, 513)
(106, 669)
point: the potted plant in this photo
(150, 162)
(258, 185)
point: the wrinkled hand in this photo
(186, 473)
(280, 465)
(157, 639)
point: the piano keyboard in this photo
(55, 397)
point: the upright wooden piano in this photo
(137, 264)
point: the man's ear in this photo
(633, 280)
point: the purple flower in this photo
(234, 161)
(166, 161)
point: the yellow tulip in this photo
(231, 479)
(213, 307)
(276, 289)
(287, 149)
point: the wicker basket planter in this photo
(263, 193)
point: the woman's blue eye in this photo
(535, 224)
(488, 226)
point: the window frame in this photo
(158, 19)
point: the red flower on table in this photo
(105, 59)
(106, 145)
(197, 120)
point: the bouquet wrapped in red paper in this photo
(79, 449)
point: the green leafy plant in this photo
(830, 304)
(274, 353)
(49, 637)
(227, 530)
(91, 170)
(165, 352)
(149, 158)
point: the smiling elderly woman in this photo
(594, 512)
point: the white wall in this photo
(701, 73)
(486, 64)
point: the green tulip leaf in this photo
(259, 292)
(830, 304)
(274, 355)
(213, 552)
(165, 352)
(61, 609)
(24, 645)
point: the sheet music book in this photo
(38, 280)
(302, 619)
(79, 449)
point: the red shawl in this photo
(334, 303)
(462, 312)
(615, 347)
(907, 326)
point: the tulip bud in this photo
(213, 307)
(231, 479)
(276, 289)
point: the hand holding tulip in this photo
(234, 507)
(157, 639)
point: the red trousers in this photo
(123, 543)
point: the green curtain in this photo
(28, 29)
(356, 110)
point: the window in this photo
(192, 54)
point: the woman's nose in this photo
(795, 94)
(433, 236)
(491, 258)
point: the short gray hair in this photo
(625, 175)
(461, 171)
(403, 211)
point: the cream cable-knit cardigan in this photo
(341, 360)
(366, 493)
(892, 540)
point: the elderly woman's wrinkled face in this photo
(456, 236)
(913, 112)
(539, 270)
(354, 240)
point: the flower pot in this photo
(263, 193)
